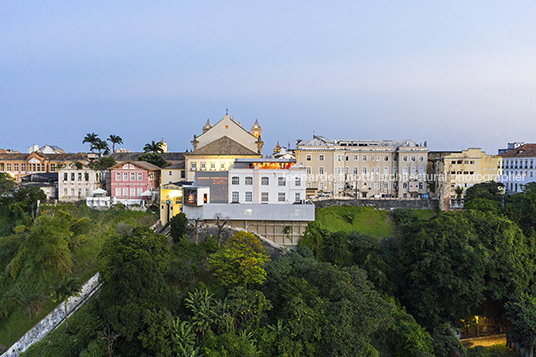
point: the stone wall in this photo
(54, 319)
(380, 203)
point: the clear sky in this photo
(456, 74)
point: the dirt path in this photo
(484, 341)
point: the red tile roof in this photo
(521, 151)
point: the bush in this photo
(178, 227)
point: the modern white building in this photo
(77, 181)
(518, 167)
(265, 196)
(268, 181)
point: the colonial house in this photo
(18, 165)
(220, 144)
(364, 168)
(173, 173)
(519, 167)
(77, 182)
(133, 182)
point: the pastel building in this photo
(519, 167)
(77, 182)
(133, 182)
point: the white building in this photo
(519, 167)
(265, 196)
(77, 181)
(266, 181)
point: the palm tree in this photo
(115, 139)
(91, 138)
(100, 145)
(63, 291)
(154, 147)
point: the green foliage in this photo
(153, 158)
(240, 261)
(488, 190)
(229, 345)
(521, 312)
(405, 337)
(64, 290)
(132, 272)
(153, 147)
(484, 205)
(178, 226)
(7, 184)
(104, 163)
(446, 344)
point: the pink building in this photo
(131, 180)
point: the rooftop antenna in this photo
(226, 111)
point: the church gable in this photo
(231, 129)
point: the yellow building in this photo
(170, 200)
(449, 170)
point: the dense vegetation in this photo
(401, 289)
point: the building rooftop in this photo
(322, 141)
(521, 151)
(223, 146)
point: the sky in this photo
(456, 74)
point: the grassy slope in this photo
(85, 247)
(366, 220)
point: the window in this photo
(372, 157)
(308, 170)
(125, 176)
(248, 180)
(193, 166)
(23, 167)
(170, 173)
(413, 170)
(421, 185)
(265, 181)
(320, 186)
(386, 185)
(372, 170)
(405, 185)
(321, 157)
(297, 181)
(364, 157)
(405, 158)
(377, 157)
(213, 166)
(321, 170)
(203, 166)
(52, 167)
(395, 158)
(118, 176)
(338, 157)
(72, 192)
(347, 168)
(281, 181)
(308, 157)
(72, 176)
(222, 166)
(235, 180)
(125, 192)
(183, 174)
(347, 157)
(386, 158)
(38, 167)
(281, 196)
(405, 170)
(421, 158)
(297, 197)
(140, 176)
(413, 158)
(249, 196)
(65, 176)
(118, 191)
(386, 170)
(356, 157)
(132, 192)
(356, 170)
(79, 176)
(421, 170)
(364, 170)
(235, 197)
(264, 196)
(138, 192)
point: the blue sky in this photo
(456, 74)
